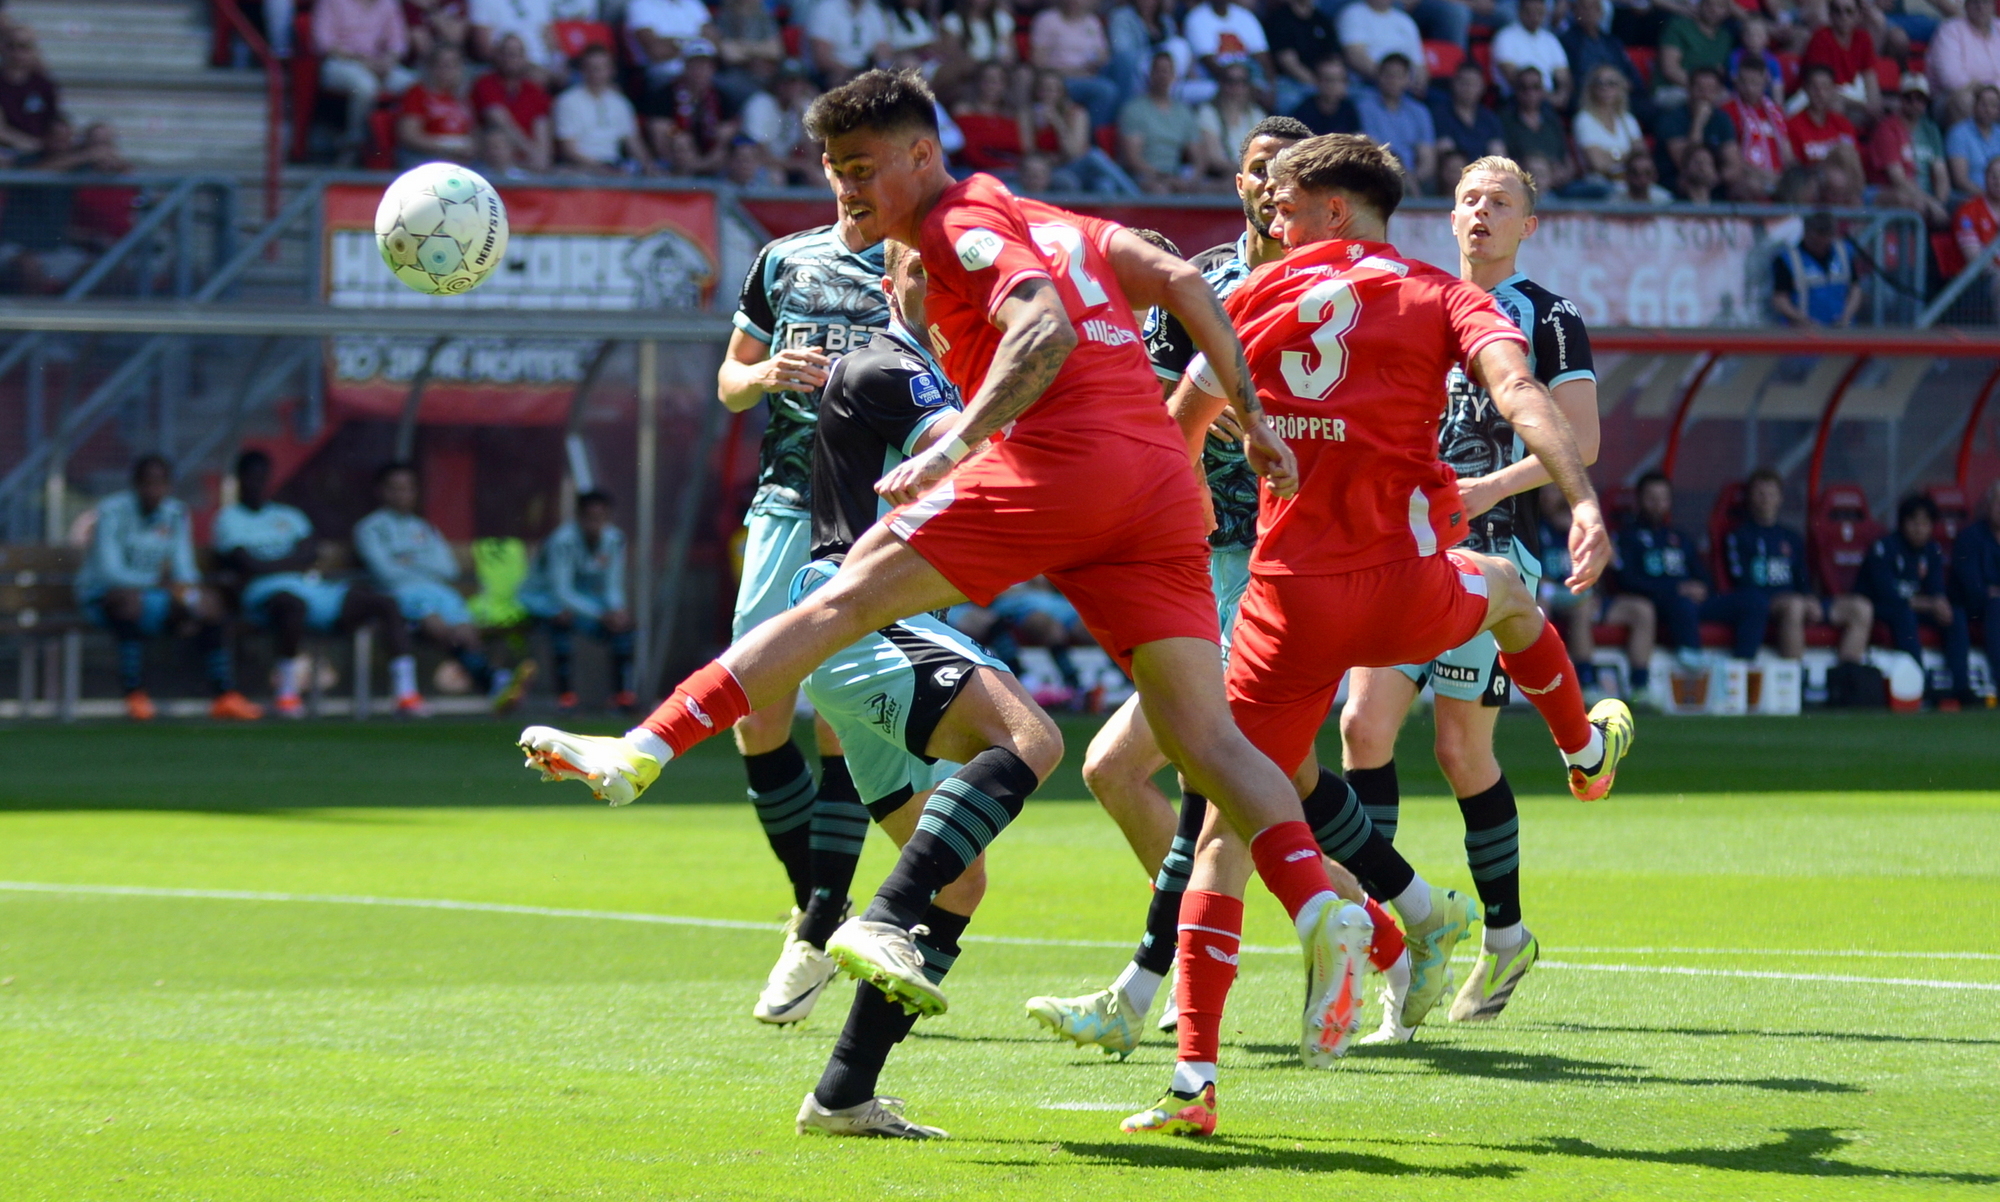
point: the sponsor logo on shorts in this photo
(1218, 954)
(1302, 854)
(1456, 673)
(700, 715)
(948, 676)
(884, 711)
(1330, 429)
(978, 249)
(1553, 686)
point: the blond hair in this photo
(1500, 164)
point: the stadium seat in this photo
(1482, 53)
(1950, 259)
(1442, 58)
(573, 36)
(1838, 536)
(1889, 73)
(795, 41)
(381, 153)
(1954, 512)
(1789, 66)
(1642, 61)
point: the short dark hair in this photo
(1653, 477)
(1155, 238)
(1916, 502)
(1394, 57)
(250, 459)
(390, 468)
(1716, 72)
(144, 462)
(1764, 475)
(1351, 163)
(595, 496)
(1469, 64)
(883, 101)
(1291, 129)
(1812, 69)
(583, 55)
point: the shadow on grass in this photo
(1801, 1152)
(1727, 1033)
(1224, 1154)
(1541, 1067)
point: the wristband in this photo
(954, 449)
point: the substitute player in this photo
(809, 298)
(1090, 486)
(1124, 757)
(1347, 344)
(915, 704)
(1493, 214)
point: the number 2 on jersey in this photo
(1331, 305)
(1067, 241)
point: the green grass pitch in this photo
(1771, 972)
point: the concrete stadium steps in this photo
(142, 65)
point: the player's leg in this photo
(561, 630)
(1118, 769)
(1378, 699)
(1854, 614)
(1957, 632)
(1492, 853)
(125, 614)
(1747, 613)
(845, 1102)
(1641, 622)
(1789, 614)
(218, 659)
(362, 606)
(1532, 651)
(1007, 747)
(285, 614)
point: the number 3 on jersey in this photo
(1066, 241)
(1331, 306)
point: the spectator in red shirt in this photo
(1761, 133)
(1977, 221)
(1845, 48)
(434, 121)
(1906, 155)
(990, 122)
(30, 104)
(684, 118)
(515, 110)
(1820, 135)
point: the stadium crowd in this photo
(1829, 102)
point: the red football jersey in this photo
(978, 244)
(1349, 347)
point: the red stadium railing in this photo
(229, 12)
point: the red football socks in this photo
(1288, 861)
(707, 703)
(1211, 937)
(1388, 946)
(1544, 673)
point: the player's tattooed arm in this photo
(1150, 276)
(1502, 368)
(1194, 408)
(1036, 338)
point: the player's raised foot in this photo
(796, 980)
(1392, 1031)
(615, 770)
(886, 956)
(1613, 719)
(510, 687)
(1486, 992)
(288, 707)
(880, 1118)
(1175, 1114)
(139, 707)
(234, 707)
(1105, 1019)
(1335, 957)
(1431, 943)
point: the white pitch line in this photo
(728, 924)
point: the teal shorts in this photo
(323, 598)
(1471, 671)
(1229, 569)
(885, 695)
(777, 547)
(432, 597)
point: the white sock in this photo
(1308, 916)
(403, 675)
(1413, 903)
(1592, 754)
(645, 740)
(1398, 977)
(1503, 939)
(1139, 987)
(1192, 1076)
(292, 676)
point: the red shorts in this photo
(1115, 523)
(1296, 636)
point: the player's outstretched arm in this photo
(1501, 366)
(1036, 338)
(1151, 277)
(749, 370)
(1576, 400)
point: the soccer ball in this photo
(441, 229)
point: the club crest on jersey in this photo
(978, 249)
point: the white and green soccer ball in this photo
(441, 228)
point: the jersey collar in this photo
(903, 337)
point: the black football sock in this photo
(875, 1024)
(621, 661)
(562, 649)
(476, 665)
(1493, 851)
(1163, 914)
(963, 815)
(1066, 668)
(1343, 831)
(216, 659)
(782, 790)
(838, 828)
(1381, 796)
